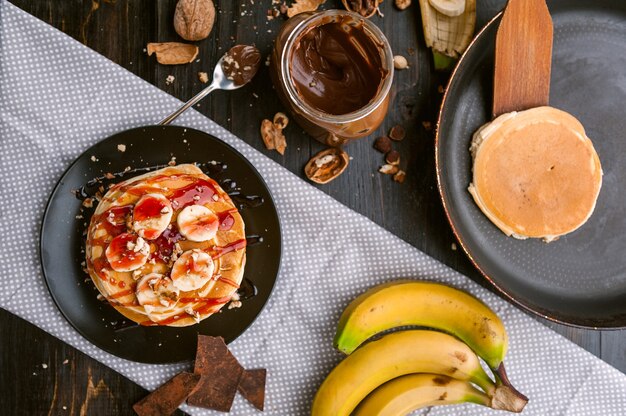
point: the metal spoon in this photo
(220, 82)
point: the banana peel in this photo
(447, 36)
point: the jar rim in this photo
(386, 55)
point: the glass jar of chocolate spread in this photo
(333, 70)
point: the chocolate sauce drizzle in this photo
(97, 187)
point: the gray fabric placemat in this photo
(58, 97)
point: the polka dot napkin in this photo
(58, 97)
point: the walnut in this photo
(403, 4)
(366, 8)
(173, 53)
(326, 165)
(193, 19)
(299, 6)
(273, 136)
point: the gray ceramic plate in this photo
(581, 278)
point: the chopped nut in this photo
(121, 147)
(382, 144)
(88, 202)
(403, 4)
(234, 304)
(366, 8)
(169, 80)
(399, 176)
(193, 19)
(280, 120)
(397, 133)
(109, 175)
(173, 53)
(400, 62)
(273, 137)
(388, 169)
(283, 8)
(299, 6)
(393, 157)
(203, 77)
(326, 165)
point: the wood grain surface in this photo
(120, 30)
(523, 57)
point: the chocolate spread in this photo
(241, 63)
(337, 67)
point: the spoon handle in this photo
(193, 101)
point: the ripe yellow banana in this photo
(395, 355)
(428, 304)
(405, 394)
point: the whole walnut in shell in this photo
(193, 19)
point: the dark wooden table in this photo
(42, 375)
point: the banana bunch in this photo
(405, 370)
(448, 28)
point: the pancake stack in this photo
(167, 247)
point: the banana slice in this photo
(450, 8)
(197, 223)
(127, 252)
(193, 269)
(151, 216)
(156, 293)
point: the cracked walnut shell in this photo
(326, 165)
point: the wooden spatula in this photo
(523, 57)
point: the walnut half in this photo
(326, 165)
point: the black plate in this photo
(581, 278)
(62, 242)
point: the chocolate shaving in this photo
(221, 373)
(166, 399)
(252, 386)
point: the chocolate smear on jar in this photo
(337, 67)
(241, 63)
